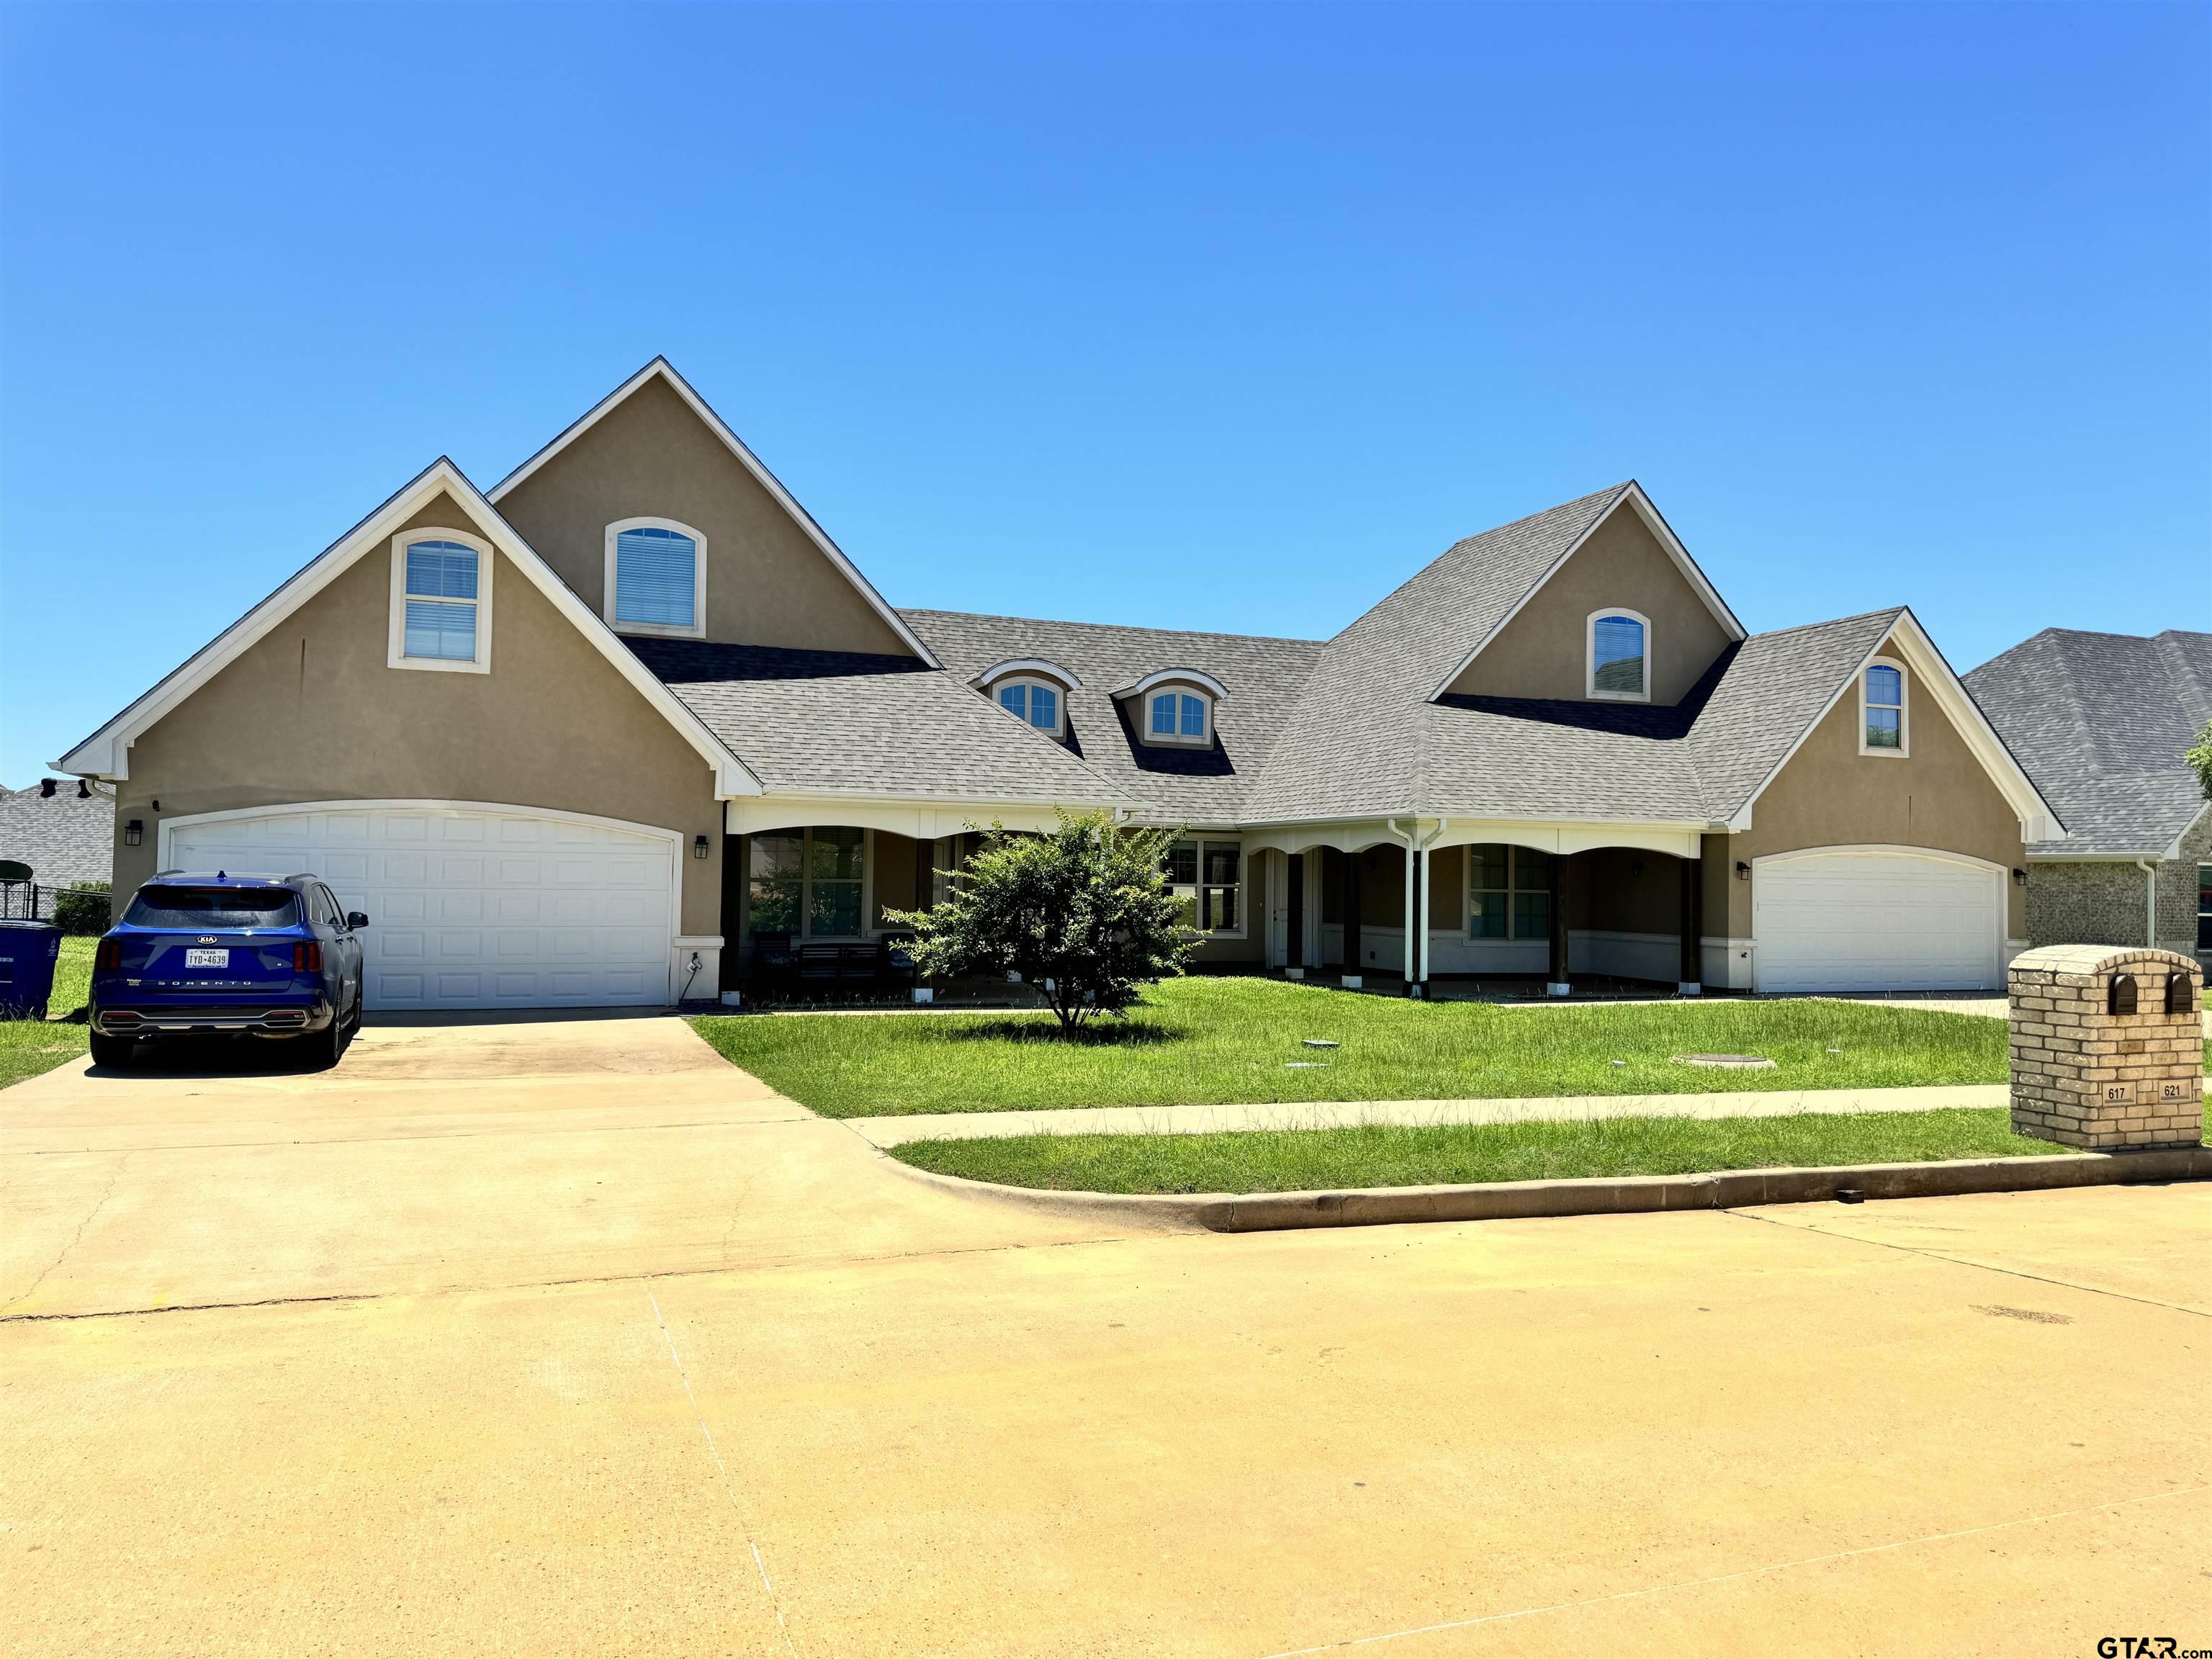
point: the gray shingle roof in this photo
(1308, 730)
(1768, 694)
(2100, 722)
(63, 838)
(1263, 678)
(842, 722)
(1355, 746)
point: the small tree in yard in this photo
(2200, 757)
(1083, 912)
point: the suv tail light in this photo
(109, 955)
(307, 959)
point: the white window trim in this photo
(1179, 688)
(698, 628)
(1468, 891)
(1059, 727)
(1243, 885)
(1590, 655)
(1904, 708)
(396, 644)
(805, 934)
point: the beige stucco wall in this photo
(767, 582)
(1543, 651)
(312, 712)
(1831, 795)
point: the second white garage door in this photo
(1877, 920)
(472, 906)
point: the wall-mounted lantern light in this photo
(1742, 870)
(698, 846)
(2019, 877)
(134, 832)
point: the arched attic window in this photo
(1620, 655)
(1032, 690)
(656, 578)
(1882, 727)
(1176, 706)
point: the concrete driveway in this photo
(565, 1337)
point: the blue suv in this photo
(194, 955)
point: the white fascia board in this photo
(1632, 494)
(666, 370)
(1935, 674)
(107, 752)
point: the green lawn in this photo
(1203, 1040)
(1303, 1160)
(29, 1047)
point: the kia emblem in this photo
(207, 938)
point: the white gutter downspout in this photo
(1416, 900)
(2150, 901)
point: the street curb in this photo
(1512, 1201)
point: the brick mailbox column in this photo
(2107, 1046)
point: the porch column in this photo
(1693, 927)
(1421, 922)
(1559, 985)
(1294, 918)
(925, 867)
(1413, 938)
(1353, 957)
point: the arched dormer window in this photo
(1619, 655)
(1176, 706)
(656, 578)
(1032, 690)
(1882, 725)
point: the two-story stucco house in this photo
(576, 739)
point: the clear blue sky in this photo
(1220, 317)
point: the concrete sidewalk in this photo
(1352, 1114)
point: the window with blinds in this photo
(656, 578)
(441, 601)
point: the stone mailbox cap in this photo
(2096, 961)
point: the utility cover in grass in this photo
(1727, 1062)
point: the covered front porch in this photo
(1505, 908)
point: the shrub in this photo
(84, 907)
(1083, 912)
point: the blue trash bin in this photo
(27, 952)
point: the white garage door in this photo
(1878, 920)
(472, 908)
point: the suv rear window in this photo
(214, 907)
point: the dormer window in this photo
(1178, 714)
(1174, 706)
(1882, 708)
(1032, 701)
(656, 578)
(1618, 657)
(1032, 690)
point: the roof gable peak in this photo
(660, 369)
(1604, 503)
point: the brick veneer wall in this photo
(2068, 1050)
(2102, 902)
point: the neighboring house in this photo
(632, 708)
(62, 829)
(2101, 722)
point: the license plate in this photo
(207, 958)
